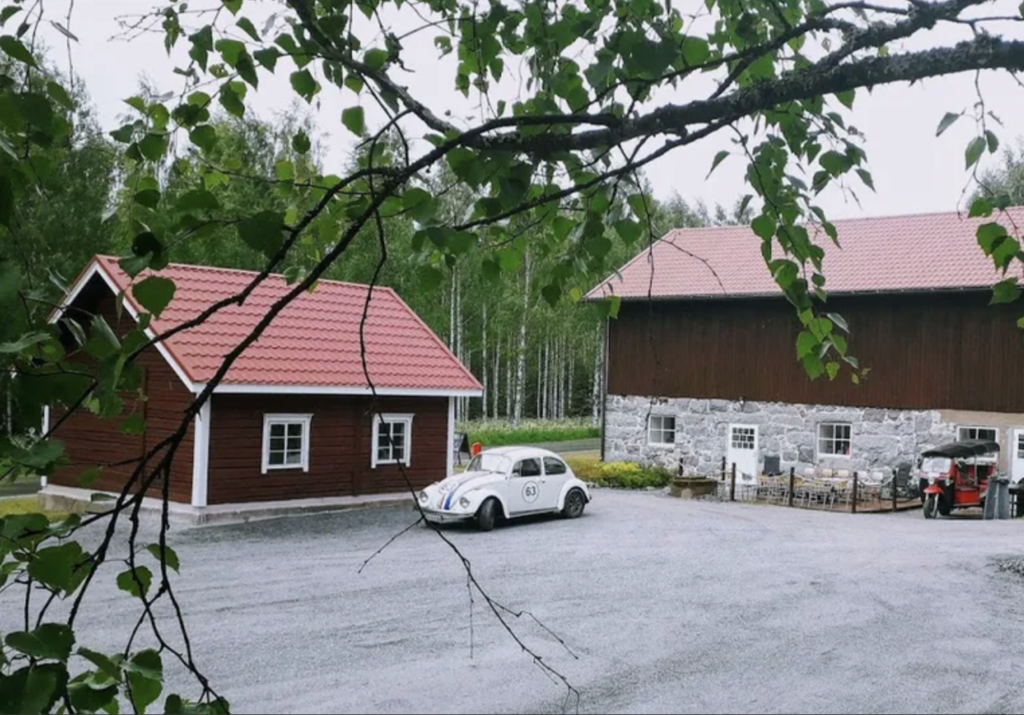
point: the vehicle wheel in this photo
(575, 503)
(487, 515)
(931, 506)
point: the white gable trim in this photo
(242, 389)
(96, 268)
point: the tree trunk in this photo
(540, 375)
(559, 384)
(460, 404)
(543, 385)
(509, 386)
(595, 395)
(484, 365)
(521, 353)
(497, 376)
(569, 385)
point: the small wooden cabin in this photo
(294, 416)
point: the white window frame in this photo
(286, 419)
(405, 419)
(994, 430)
(820, 438)
(650, 430)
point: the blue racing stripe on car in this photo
(448, 501)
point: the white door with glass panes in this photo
(741, 450)
(1017, 456)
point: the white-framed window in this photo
(661, 430)
(392, 440)
(286, 442)
(970, 432)
(965, 432)
(834, 439)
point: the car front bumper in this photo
(445, 517)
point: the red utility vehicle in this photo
(955, 475)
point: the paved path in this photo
(671, 606)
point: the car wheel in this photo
(487, 515)
(931, 506)
(575, 502)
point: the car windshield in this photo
(938, 465)
(489, 463)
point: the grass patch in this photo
(497, 433)
(622, 475)
(28, 505)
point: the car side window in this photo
(527, 468)
(553, 466)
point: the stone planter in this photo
(693, 487)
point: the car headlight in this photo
(424, 498)
(931, 480)
(464, 503)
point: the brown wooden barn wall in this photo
(90, 441)
(339, 452)
(925, 351)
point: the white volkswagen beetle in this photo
(508, 482)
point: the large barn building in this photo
(701, 359)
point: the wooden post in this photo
(894, 474)
(723, 468)
(792, 485)
(853, 500)
(732, 483)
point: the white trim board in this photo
(238, 389)
(84, 281)
(201, 455)
(449, 465)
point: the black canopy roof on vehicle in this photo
(963, 450)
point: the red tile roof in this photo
(313, 342)
(891, 254)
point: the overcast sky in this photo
(913, 170)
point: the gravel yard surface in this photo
(670, 606)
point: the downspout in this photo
(604, 387)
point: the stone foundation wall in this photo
(880, 438)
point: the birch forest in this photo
(537, 356)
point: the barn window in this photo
(987, 433)
(661, 429)
(990, 434)
(834, 439)
(286, 442)
(392, 440)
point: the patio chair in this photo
(841, 493)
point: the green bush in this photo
(497, 433)
(623, 475)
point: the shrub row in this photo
(497, 433)
(623, 475)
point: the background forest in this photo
(537, 356)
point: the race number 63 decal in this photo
(530, 492)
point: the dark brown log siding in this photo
(90, 441)
(339, 454)
(925, 351)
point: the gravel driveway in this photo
(670, 606)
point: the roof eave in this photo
(744, 296)
(341, 390)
